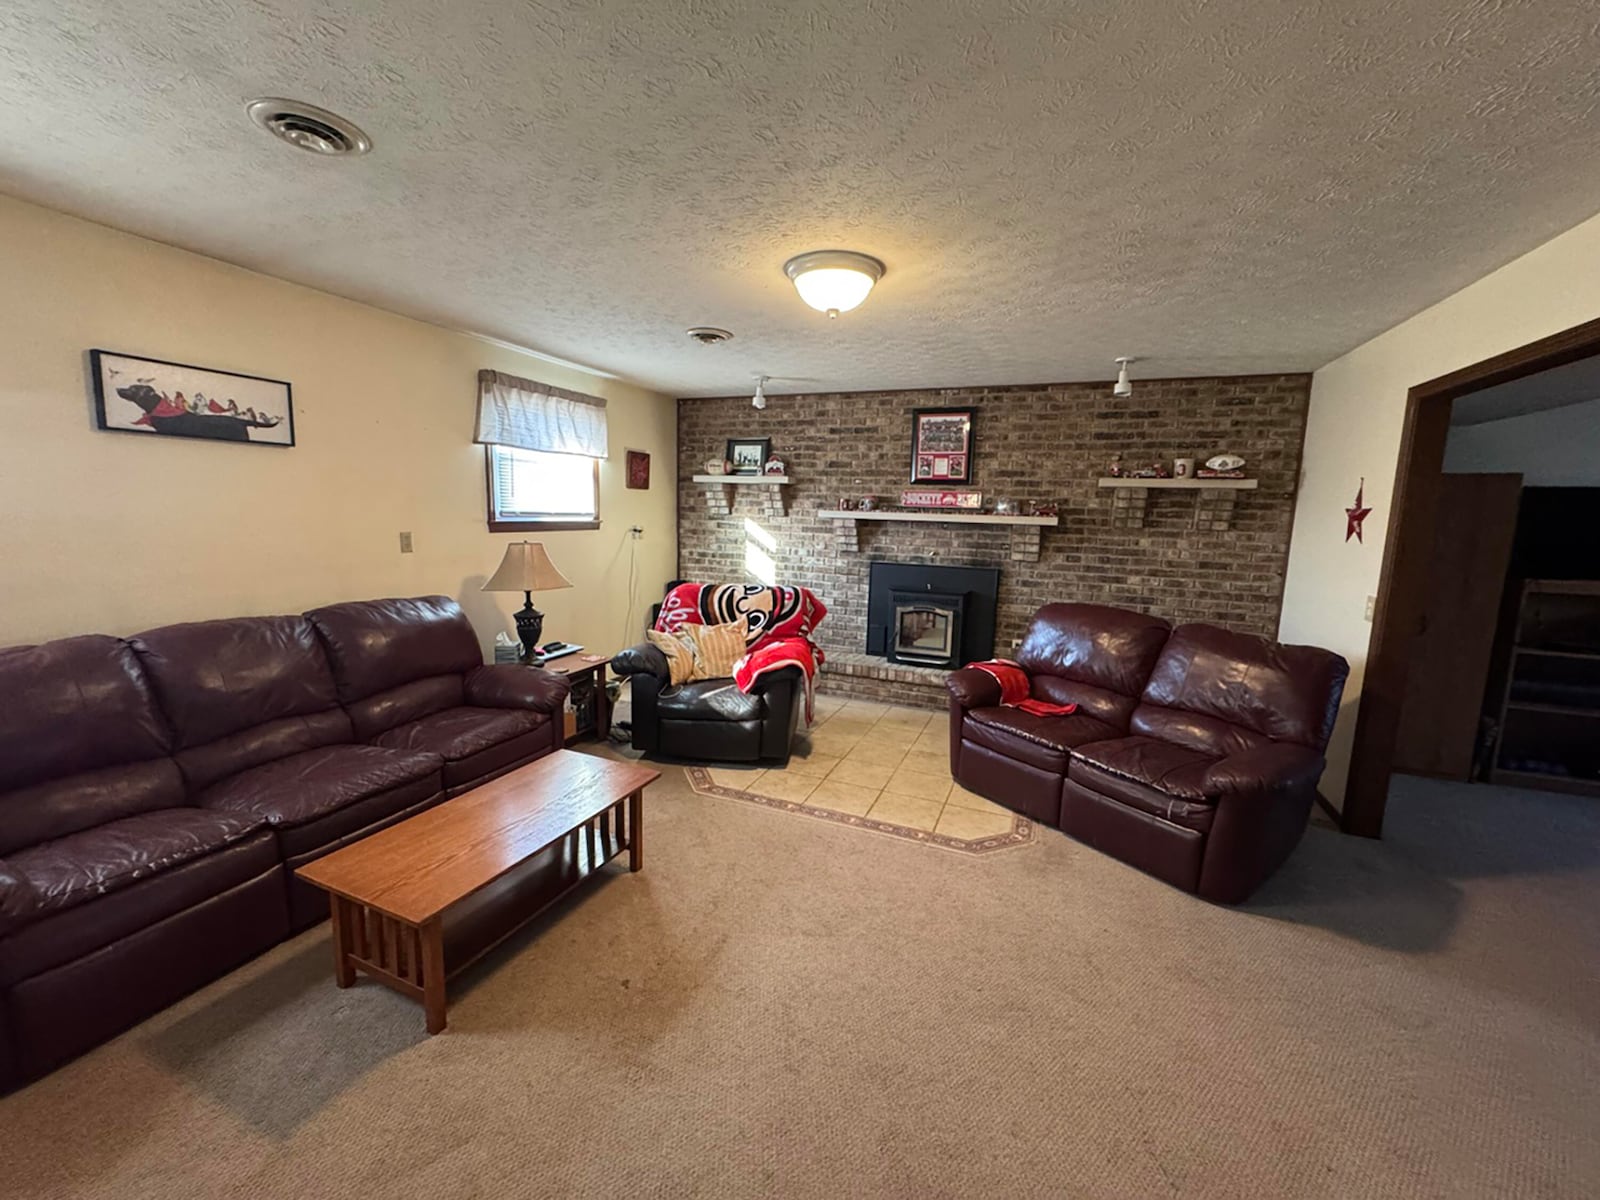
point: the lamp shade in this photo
(526, 568)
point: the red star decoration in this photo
(1356, 514)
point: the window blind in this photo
(537, 416)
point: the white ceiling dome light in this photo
(1124, 386)
(833, 281)
(308, 127)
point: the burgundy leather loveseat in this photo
(1194, 754)
(157, 792)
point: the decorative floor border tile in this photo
(1021, 828)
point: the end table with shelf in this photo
(590, 715)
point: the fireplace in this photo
(926, 628)
(931, 616)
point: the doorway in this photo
(1399, 616)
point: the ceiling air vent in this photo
(308, 127)
(709, 335)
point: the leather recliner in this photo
(710, 718)
(156, 793)
(1204, 777)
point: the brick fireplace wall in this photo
(1032, 443)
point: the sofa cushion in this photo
(375, 645)
(242, 692)
(708, 700)
(78, 712)
(310, 799)
(1160, 778)
(217, 677)
(1224, 692)
(1093, 656)
(471, 741)
(83, 866)
(64, 935)
(1039, 741)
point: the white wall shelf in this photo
(949, 516)
(736, 479)
(1026, 532)
(722, 491)
(1213, 499)
(1236, 485)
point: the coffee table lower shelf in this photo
(419, 960)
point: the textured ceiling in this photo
(1575, 383)
(1221, 187)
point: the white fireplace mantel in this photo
(1025, 531)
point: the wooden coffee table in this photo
(418, 902)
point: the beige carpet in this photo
(778, 1006)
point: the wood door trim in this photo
(1403, 577)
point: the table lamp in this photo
(526, 568)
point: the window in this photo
(535, 489)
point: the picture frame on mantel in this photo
(941, 444)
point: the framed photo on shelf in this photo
(941, 445)
(749, 455)
(156, 398)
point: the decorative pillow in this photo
(679, 652)
(716, 648)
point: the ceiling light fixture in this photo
(1124, 386)
(759, 400)
(307, 127)
(833, 281)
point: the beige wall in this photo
(1357, 406)
(112, 533)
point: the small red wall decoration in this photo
(1355, 514)
(639, 470)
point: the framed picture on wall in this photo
(941, 445)
(156, 398)
(638, 470)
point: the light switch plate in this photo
(405, 542)
(1372, 606)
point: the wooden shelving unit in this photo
(1549, 733)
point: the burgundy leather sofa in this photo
(157, 792)
(1194, 754)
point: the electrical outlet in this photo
(405, 542)
(1016, 643)
(1372, 606)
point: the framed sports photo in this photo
(941, 445)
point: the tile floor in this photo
(881, 763)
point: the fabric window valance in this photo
(537, 416)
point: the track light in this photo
(1124, 386)
(759, 400)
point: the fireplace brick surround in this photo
(1032, 443)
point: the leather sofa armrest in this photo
(643, 659)
(17, 899)
(789, 677)
(1280, 767)
(506, 685)
(972, 688)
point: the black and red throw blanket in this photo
(778, 623)
(1014, 689)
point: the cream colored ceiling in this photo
(1221, 187)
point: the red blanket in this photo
(778, 622)
(1014, 689)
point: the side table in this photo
(591, 715)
